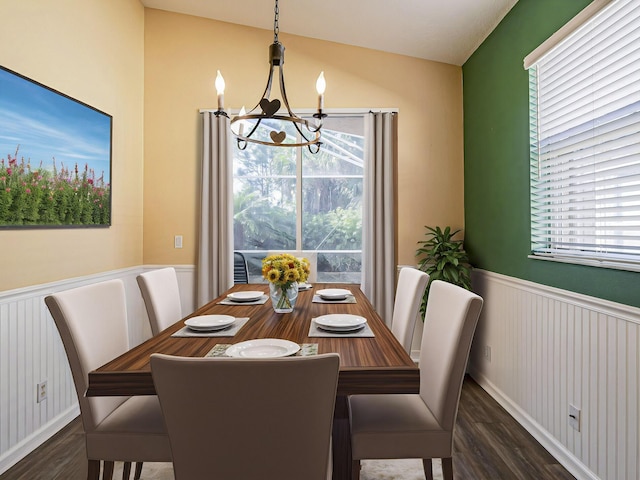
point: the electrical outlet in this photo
(574, 417)
(177, 241)
(487, 353)
(41, 391)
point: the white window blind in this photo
(585, 142)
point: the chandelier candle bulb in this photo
(321, 85)
(220, 90)
(242, 113)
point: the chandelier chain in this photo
(276, 27)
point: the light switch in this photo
(177, 241)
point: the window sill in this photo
(590, 262)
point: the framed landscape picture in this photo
(55, 158)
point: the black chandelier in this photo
(254, 126)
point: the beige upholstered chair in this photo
(409, 292)
(421, 425)
(92, 321)
(161, 296)
(266, 419)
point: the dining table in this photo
(372, 361)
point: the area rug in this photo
(410, 469)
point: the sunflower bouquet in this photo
(284, 272)
(284, 269)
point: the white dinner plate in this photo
(340, 322)
(248, 296)
(208, 323)
(304, 286)
(346, 330)
(263, 348)
(333, 293)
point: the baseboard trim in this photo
(33, 441)
(549, 443)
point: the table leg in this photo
(341, 440)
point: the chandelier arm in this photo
(271, 144)
(267, 91)
(313, 129)
(317, 127)
(283, 90)
(255, 127)
(295, 124)
(317, 147)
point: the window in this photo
(585, 142)
(289, 200)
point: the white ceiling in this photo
(446, 31)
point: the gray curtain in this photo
(215, 248)
(378, 243)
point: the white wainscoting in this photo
(550, 348)
(31, 351)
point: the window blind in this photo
(585, 141)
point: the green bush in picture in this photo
(51, 197)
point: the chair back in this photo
(246, 418)
(240, 270)
(92, 321)
(409, 292)
(161, 295)
(449, 324)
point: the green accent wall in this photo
(496, 157)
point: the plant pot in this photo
(283, 297)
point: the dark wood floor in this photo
(489, 445)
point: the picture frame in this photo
(55, 158)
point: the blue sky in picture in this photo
(47, 125)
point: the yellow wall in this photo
(153, 70)
(182, 54)
(93, 51)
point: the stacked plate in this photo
(341, 323)
(335, 294)
(247, 296)
(303, 286)
(209, 323)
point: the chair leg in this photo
(428, 468)
(447, 468)
(107, 471)
(93, 470)
(355, 470)
(138, 473)
(126, 470)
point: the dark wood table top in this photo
(367, 365)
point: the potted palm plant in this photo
(443, 258)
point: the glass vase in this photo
(283, 297)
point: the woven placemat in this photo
(319, 299)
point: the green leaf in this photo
(443, 258)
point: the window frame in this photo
(299, 179)
(555, 251)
